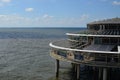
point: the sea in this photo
(25, 53)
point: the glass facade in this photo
(107, 40)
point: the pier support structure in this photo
(78, 71)
(100, 73)
(104, 73)
(57, 66)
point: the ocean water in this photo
(24, 53)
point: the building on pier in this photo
(98, 46)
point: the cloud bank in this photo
(116, 3)
(41, 21)
(5, 1)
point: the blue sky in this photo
(56, 13)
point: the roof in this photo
(106, 21)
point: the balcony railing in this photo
(101, 33)
(87, 57)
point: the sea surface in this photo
(24, 53)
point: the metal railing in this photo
(61, 50)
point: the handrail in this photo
(92, 35)
(80, 50)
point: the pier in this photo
(97, 47)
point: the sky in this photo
(56, 13)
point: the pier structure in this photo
(97, 46)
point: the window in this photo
(105, 40)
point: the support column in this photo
(94, 73)
(78, 71)
(104, 73)
(57, 68)
(75, 68)
(100, 73)
(72, 66)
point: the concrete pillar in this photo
(95, 73)
(103, 27)
(57, 68)
(104, 73)
(75, 68)
(72, 66)
(119, 49)
(78, 71)
(100, 74)
(100, 28)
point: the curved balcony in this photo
(101, 33)
(61, 50)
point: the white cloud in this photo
(14, 20)
(84, 17)
(116, 3)
(47, 16)
(41, 21)
(29, 9)
(5, 1)
(80, 21)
